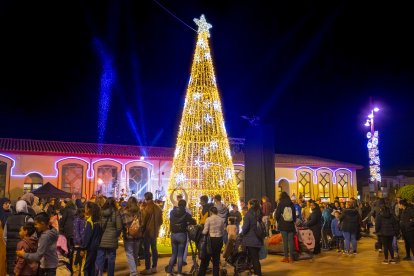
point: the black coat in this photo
(315, 220)
(180, 219)
(66, 222)
(282, 225)
(386, 223)
(350, 221)
(407, 219)
(249, 229)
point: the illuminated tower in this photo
(202, 162)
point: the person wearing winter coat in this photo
(286, 227)
(29, 198)
(214, 228)
(5, 210)
(28, 243)
(407, 227)
(66, 224)
(315, 225)
(78, 234)
(91, 238)
(131, 244)
(46, 247)
(11, 232)
(252, 242)
(179, 220)
(350, 221)
(337, 234)
(386, 227)
(111, 229)
(151, 221)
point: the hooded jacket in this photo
(3, 213)
(180, 219)
(282, 225)
(223, 212)
(350, 221)
(46, 251)
(23, 267)
(386, 223)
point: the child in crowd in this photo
(28, 243)
(231, 236)
(46, 248)
(91, 238)
(336, 231)
(78, 234)
(236, 214)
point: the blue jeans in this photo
(105, 253)
(178, 243)
(350, 238)
(150, 242)
(288, 243)
(131, 251)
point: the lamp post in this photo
(373, 152)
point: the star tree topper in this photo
(202, 24)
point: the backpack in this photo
(287, 214)
(134, 229)
(260, 229)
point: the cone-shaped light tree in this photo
(202, 162)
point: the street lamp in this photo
(373, 152)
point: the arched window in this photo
(239, 172)
(138, 181)
(324, 184)
(343, 181)
(3, 174)
(72, 178)
(304, 183)
(107, 180)
(32, 182)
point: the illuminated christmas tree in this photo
(202, 162)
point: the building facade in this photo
(86, 169)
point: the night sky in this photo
(117, 72)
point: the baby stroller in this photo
(194, 236)
(238, 257)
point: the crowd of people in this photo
(81, 237)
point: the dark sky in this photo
(307, 68)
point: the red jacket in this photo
(24, 267)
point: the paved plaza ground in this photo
(366, 262)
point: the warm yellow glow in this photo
(202, 162)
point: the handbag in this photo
(205, 247)
(263, 252)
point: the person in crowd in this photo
(66, 224)
(131, 243)
(342, 205)
(250, 239)
(222, 210)
(337, 206)
(235, 213)
(407, 227)
(232, 231)
(204, 209)
(267, 210)
(286, 226)
(179, 220)
(11, 232)
(214, 227)
(244, 211)
(28, 243)
(180, 197)
(365, 209)
(386, 227)
(326, 226)
(37, 205)
(29, 198)
(5, 210)
(396, 207)
(298, 208)
(306, 210)
(78, 235)
(3, 261)
(315, 225)
(151, 221)
(46, 248)
(91, 238)
(337, 234)
(350, 225)
(52, 206)
(111, 229)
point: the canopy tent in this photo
(48, 190)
